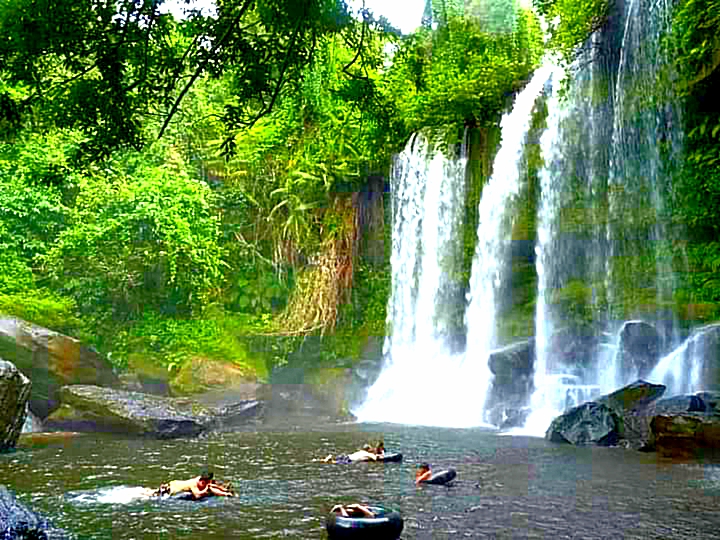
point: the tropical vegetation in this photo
(214, 185)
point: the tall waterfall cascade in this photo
(428, 205)
(605, 254)
(428, 191)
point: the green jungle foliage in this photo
(143, 236)
(463, 72)
(177, 189)
(694, 39)
(571, 22)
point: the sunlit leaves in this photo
(571, 22)
(148, 239)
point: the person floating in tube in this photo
(199, 487)
(365, 454)
(380, 449)
(353, 510)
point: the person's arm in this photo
(340, 508)
(220, 491)
(423, 477)
(364, 510)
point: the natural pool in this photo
(507, 486)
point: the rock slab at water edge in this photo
(92, 408)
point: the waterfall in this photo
(604, 244)
(490, 262)
(428, 204)
(603, 251)
(428, 193)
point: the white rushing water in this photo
(492, 251)
(602, 235)
(428, 205)
(428, 191)
(604, 247)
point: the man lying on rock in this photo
(198, 487)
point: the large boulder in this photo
(93, 408)
(51, 360)
(14, 394)
(622, 417)
(639, 349)
(19, 522)
(689, 434)
(634, 407)
(589, 423)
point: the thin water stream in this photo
(507, 486)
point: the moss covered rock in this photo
(199, 375)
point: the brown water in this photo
(507, 487)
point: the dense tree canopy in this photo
(110, 68)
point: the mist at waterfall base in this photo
(602, 221)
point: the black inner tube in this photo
(442, 477)
(386, 525)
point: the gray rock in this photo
(633, 396)
(14, 394)
(634, 407)
(19, 522)
(640, 349)
(711, 400)
(92, 408)
(511, 387)
(589, 423)
(679, 405)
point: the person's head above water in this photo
(422, 472)
(367, 447)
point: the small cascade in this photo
(428, 206)
(686, 369)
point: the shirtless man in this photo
(200, 486)
(423, 473)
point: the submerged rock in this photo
(19, 522)
(14, 394)
(51, 360)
